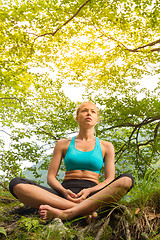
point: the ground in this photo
(127, 221)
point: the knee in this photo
(125, 183)
(19, 188)
(15, 185)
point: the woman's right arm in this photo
(54, 167)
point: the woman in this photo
(80, 194)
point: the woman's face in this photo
(87, 114)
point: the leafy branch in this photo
(147, 45)
(136, 130)
(135, 49)
(18, 100)
(65, 23)
(128, 124)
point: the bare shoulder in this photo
(106, 143)
(106, 146)
(63, 143)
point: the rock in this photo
(57, 225)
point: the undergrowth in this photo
(145, 190)
(144, 198)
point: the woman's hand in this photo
(77, 198)
(68, 194)
(83, 194)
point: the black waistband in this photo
(78, 183)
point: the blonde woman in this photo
(80, 193)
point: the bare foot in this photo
(91, 218)
(47, 213)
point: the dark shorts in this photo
(75, 185)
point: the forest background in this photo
(104, 47)
(105, 51)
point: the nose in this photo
(89, 113)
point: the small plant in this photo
(144, 188)
(28, 223)
(3, 232)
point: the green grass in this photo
(146, 190)
(144, 195)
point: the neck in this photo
(86, 134)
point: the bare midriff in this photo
(82, 174)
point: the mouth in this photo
(88, 119)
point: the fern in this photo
(28, 224)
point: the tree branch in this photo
(20, 101)
(12, 98)
(137, 128)
(144, 46)
(146, 143)
(156, 130)
(65, 23)
(155, 50)
(136, 49)
(122, 151)
(42, 131)
(151, 140)
(128, 124)
(5, 132)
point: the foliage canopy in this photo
(105, 46)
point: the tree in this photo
(106, 46)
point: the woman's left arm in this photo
(109, 170)
(109, 165)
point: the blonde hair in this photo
(79, 107)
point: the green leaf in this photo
(3, 231)
(107, 47)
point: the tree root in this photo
(101, 230)
(11, 228)
(112, 223)
(147, 223)
(127, 231)
(103, 227)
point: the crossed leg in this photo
(34, 196)
(56, 206)
(110, 194)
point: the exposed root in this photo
(101, 230)
(147, 222)
(146, 225)
(115, 223)
(11, 228)
(128, 234)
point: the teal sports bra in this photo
(79, 160)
